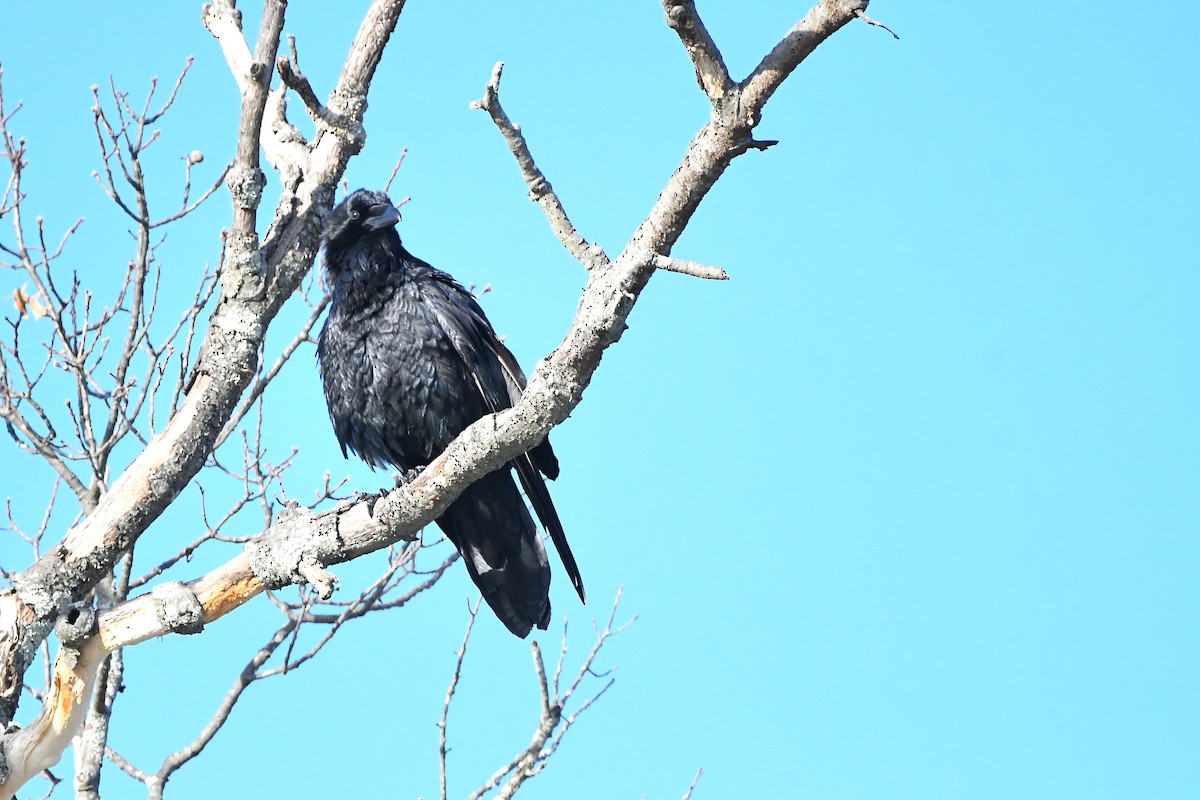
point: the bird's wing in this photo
(500, 380)
(542, 456)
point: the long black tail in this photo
(535, 489)
(491, 527)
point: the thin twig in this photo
(255, 392)
(316, 109)
(462, 652)
(553, 722)
(858, 12)
(176, 760)
(395, 170)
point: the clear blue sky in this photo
(908, 508)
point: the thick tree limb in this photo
(821, 22)
(34, 748)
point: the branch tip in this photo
(659, 261)
(395, 171)
(540, 190)
(858, 12)
(711, 73)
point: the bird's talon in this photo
(370, 498)
(407, 477)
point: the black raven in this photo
(409, 360)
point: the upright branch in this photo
(711, 72)
(454, 678)
(247, 180)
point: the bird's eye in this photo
(354, 213)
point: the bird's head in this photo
(362, 218)
(361, 214)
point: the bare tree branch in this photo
(591, 256)
(319, 112)
(863, 16)
(28, 750)
(462, 652)
(685, 267)
(554, 389)
(552, 724)
(395, 170)
(711, 73)
(260, 385)
(821, 22)
(173, 762)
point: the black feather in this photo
(408, 360)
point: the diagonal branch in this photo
(247, 676)
(821, 22)
(590, 255)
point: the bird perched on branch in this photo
(408, 360)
